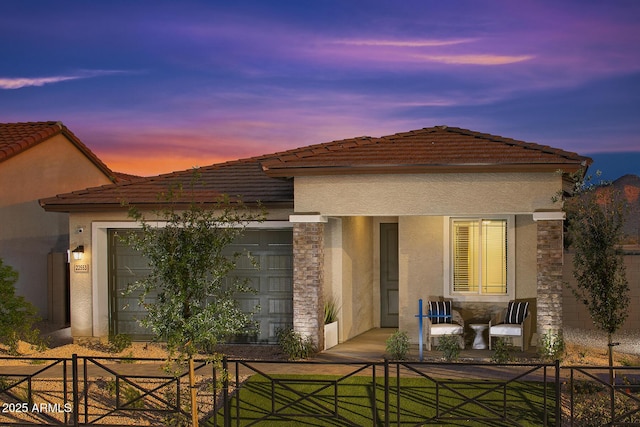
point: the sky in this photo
(154, 86)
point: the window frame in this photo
(448, 260)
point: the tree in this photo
(193, 307)
(17, 315)
(596, 216)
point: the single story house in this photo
(376, 223)
(38, 159)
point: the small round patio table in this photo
(478, 342)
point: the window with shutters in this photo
(480, 257)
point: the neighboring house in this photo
(38, 160)
(376, 223)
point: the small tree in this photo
(194, 306)
(595, 216)
(17, 315)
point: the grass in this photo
(325, 401)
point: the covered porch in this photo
(370, 347)
(376, 268)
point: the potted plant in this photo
(330, 323)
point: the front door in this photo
(389, 275)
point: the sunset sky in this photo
(156, 86)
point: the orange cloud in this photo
(156, 163)
(476, 59)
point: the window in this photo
(480, 258)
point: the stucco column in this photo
(308, 279)
(549, 272)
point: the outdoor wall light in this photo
(78, 252)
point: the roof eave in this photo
(424, 169)
(144, 206)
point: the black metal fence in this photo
(90, 391)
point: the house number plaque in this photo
(81, 268)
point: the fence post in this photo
(76, 401)
(558, 395)
(226, 404)
(386, 392)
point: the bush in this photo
(129, 396)
(119, 342)
(502, 351)
(330, 311)
(294, 345)
(17, 315)
(398, 345)
(449, 345)
(551, 346)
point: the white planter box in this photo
(330, 335)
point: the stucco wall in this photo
(27, 232)
(357, 276)
(576, 314)
(426, 194)
(333, 267)
(420, 242)
(349, 273)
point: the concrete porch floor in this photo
(370, 346)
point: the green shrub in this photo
(128, 394)
(330, 311)
(551, 346)
(294, 345)
(502, 351)
(398, 345)
(17, 315)
(449, 345)
(587, 387)
(119, 342)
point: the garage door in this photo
(273, 249)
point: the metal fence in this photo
(89, 391)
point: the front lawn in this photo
(300, 400)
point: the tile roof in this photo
(241, 179)
(435, 149)
(16, 138)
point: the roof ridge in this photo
(515, 142)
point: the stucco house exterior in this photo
(373, 222)
(38, 159)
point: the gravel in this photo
(629, 341)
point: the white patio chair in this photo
(443, 321)
(514, 322)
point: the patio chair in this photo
(514, 322)
(442, 321)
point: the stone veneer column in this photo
(550, 260)
(308, 279)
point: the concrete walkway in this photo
(366, 347)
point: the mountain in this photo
(629, 187)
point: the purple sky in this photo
(156, 86)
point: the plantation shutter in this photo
(465, 236)
(494, 256)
